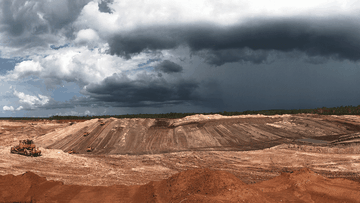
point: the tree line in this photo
(342, 110)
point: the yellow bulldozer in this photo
(27, 148)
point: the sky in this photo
(114, 57)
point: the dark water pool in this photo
(313, 141)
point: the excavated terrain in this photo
(198, 185)
(256, 151)
(198, 133)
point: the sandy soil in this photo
(13, 131)
(199, 133)
(131, 152)
(197, 185)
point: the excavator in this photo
(27, 148)
(90, 149)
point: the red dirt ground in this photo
(197, 185)
(193, 159)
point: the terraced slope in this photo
(199, 132)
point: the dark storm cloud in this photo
(151, 38)
(33, 18)
(72, 103)
(16, 18)
(103, 6)
(147, 90)
(252, 41)
(220, 57)
(316, 60)
(168, 67)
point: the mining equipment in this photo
(90, 149)
(73, 152)
(27, 148)
(86, 133)
(102, 122)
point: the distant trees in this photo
(342, 110)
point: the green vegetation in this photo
(342, 110)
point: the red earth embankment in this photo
(200, 133)
(199, 185)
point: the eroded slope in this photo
(199, 132)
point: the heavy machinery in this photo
(73, 152)
(90, 149)
(86, 134)
(27, 148)
(101, 122)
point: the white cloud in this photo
(23, 69)
(87, 37)
(79, 65)
(87, 112)
(31, 101)
(8, 108)
(19, 108)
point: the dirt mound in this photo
(199, 185)
(30, 187)
(198, 132)
(23, 188)
(307, 186)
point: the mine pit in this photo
(270, 157)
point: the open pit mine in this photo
(200, 158)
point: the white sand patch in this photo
(150, 168)
(282, 124)
(201, 117)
